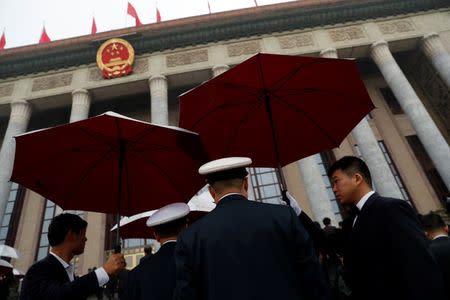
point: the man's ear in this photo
(156, 235)
(212, 192)
(358, 179)
(70, 236)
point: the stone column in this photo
(434, 49)
(18, 123)
(382, 176)
(329, 53)
(316, 190)
(81, 101)
(219, 69)
(430, 136)
(159, 100)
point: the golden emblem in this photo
(115, 58)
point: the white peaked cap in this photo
(168, 214)
(224, 164)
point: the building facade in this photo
(401, 47)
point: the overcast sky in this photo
(22, 20)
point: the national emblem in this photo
(115, 58)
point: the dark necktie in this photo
(355, 210)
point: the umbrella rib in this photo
(211, 112)
(96, 136)
(291, 107)
(84, 176)
(153, 164)
(242, 121)
(282, 81)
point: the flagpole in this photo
(126, 12)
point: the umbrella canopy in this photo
(8, 251)
(5, 267)
(277, 109)
(135, 227)
(110, 164)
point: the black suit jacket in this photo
(154, 277)
(47, 279)
(247, 250)
(440, 248)
(387, 254)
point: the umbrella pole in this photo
(118, 247)
(281, 178)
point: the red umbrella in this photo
(110, 164)
(277, 109)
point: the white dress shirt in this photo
(101, 274)
(361, 203)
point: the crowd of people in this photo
(251, 250)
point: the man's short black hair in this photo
(432, 221)
(326, 221)
(61, 225)
(351, 165)
(171, 228)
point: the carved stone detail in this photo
(51, 82)
(95, 74)
(396, 26)
(186, 58)
(348, 33)
(434, 87)
(245, 48)
(296, 41)
(6, 90)
(140, 66)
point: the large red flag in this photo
(44, 37)
(94, 26)
(158, 15)
(3, 41)
(132, 12)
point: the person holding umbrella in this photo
(53, 277)
(244, 249)
(154, 277)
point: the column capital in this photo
(431, 44)
(157, 78)
(80, 91)
(329, 53)
(380, 53)
(20, 111)
(219, 69)
(81, 102)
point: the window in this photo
(8, 228)
(428, 167)
(324, 161)
(265, 184)
(49, 213)
(391, 101)
(393, 168)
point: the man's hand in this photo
(115, 264)
(287, 197)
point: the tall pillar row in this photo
(18, 123)
(427, 131)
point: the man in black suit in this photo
(245, 249)
(53, 277)
(154, 277)
(386, 255)
(437, 231)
